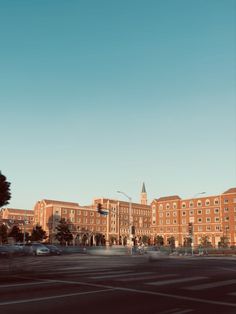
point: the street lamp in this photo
(130, 219)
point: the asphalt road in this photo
(117, 284)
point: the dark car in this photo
(54, 250)
(4, 251)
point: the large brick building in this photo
(211, 216)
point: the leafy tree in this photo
(187, 241)
(204, 241)
(98, 239)
(159, 240)
(3, 234)
(145, 239)
(63, 235)
(5, 194)
(224, 242)
(16, 234)
(171, 242)
(38, 234)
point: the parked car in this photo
(54, 250)
(4, 251)
(36, 249)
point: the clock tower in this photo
(144, 195)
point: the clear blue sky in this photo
(99, 96)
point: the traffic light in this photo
(99, 207)
(190, 228)
(133, 230)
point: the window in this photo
(217, 228)
(217, 219)
(167, 214)
(208, 219)
(226, 209)
(226, 201)
(208, 211)
(216, 210)
(208, 228)
(160, 214)
(207, 202)
(175, 221)
(64, 211)
(226, 218)
(191, 213)
(174, 214)
(78, 212)
(199, 212)
(91, 214)
(184, 213)
(199, 220)
(216, 201)
(191, 204)
(184, 221)
(167, 206)
(199, 203)
(72, 211)
(160, 206)
(174, 205)
(183, 205)
(199, 228)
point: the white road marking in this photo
(173, 296)
(53, 297)
(183, 311)
(232, 293)
(212, 285)
(113, 275)
(24, 284)
(148, 277)
(171, 281)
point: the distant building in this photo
(23, 218)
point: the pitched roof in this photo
(60, 202)
(232, 190)
(20, 211)
(168, 198)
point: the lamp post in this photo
(130, 219)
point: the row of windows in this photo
(191, 212)
(184, 229)
(191, 204)
(199, 220)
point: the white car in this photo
(37, 249)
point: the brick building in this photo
(211, 216)
(23, 218)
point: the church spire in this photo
(144, 195)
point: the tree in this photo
(3, 234)
(38, 234)
(187, 241)
(171, 241)
(5, 194)
(159, 240)
(63, 235)
(145, 239)
(224, 242)
(16, 234)
(204, 241)
(98, 239)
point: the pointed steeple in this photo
(143, 195)
(144, 188)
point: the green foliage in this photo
(145, 239)
(3, 234)
(187, 241)
(38, 234)
(5, 194)
(159, 240)
(16, 234)
(224, 242)
(171, 241)
(204, 241)
(63, 235)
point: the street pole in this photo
(130, 219)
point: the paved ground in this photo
(118, 284)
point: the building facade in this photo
(211, 216)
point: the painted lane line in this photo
(183, 311)
(167, 295)
(148, 277)
(113, 276)
(53, 297)
(171, 281)
(212, 285)
(24, 284)
(232, 293)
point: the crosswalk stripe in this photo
(171, 281)
(212, 285)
